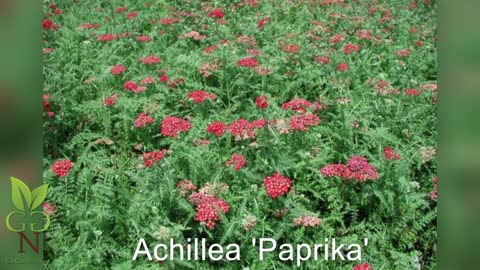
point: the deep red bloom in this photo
(357, 169)
(133, 86)
(143, 120)
(200, 96)
(303, 121)
(343, 66)
(210, 49)
(390, 154)
(147, 80)
(297, 105)
(172, 126)
(249, 62)
(259, 123)
(117, 69)
(363, 266)
(144, 38)
(217, 128)
(150, 60)
(208, 208)
(412, 92)
(277, 185)
(106, 37)
(238, 161)
(262, 102)
(164, 78)
(48, 25)
(262, 22)
(62, 167)
(110, 101)
(150, 158)
(120, 9)
(131, 15)
(216, 13)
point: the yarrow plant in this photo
(231, 120)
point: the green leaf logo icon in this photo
(38, 196)
(25, 200)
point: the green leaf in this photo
(38, 196)
(21, 196)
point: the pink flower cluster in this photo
(307, 221)
(238, 161)
(276, 185)
(217, 128)
(185, 186)
(150, 158)
(248, 62)
(390, 154)
(208, 208)
(301, 122)
(143, 120)
(172, 126)
(363, 266)
(243, 129)
(200, 96)
(62, 167)
(357, 169)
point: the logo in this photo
(26, 217)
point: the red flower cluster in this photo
(150, 60)
(357, 169)
(297, 105)
(210, 49)
(249, 62)
(217, 128)
(350, 48)
(412, 92)
(164, 78)
(200, 96)
(262, 22)
(87, 26)
(208, 208)
(293, 49)
(150, 158)
(110, 101)
(238, 161)
(243, 129)
(172, 126)
(47, 106)
(262, 102)
(185, 186)
(62, 167)
(276, 185)
(216, 13)
(390, 154)
(106, 37)
(303, 121)
(133, 86)
(363, 266)
(322, 59)
(143, 120)
(144, 38)
(49, 208)
(342, 66)
(117, 70)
